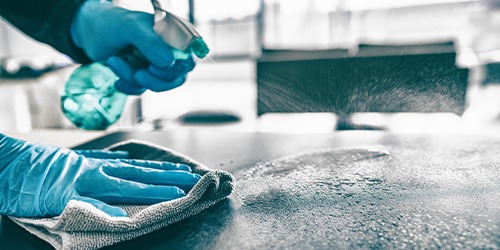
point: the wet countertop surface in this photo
(341, 190)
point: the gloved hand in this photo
(101, 154)
(38, 180)
(103, 29)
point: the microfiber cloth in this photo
(82, 226)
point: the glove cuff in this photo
(77, 27)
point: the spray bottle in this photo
(90, 99)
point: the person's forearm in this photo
(47, 21)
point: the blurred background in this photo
(302, 66)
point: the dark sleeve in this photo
(47, 21)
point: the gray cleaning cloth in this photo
(82, 226)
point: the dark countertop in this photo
(416, 191)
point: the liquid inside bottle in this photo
(90, 100)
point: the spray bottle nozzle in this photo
(199, 48)
(178, 32)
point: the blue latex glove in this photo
(101, 154)
(102, 30)
(38, 180)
